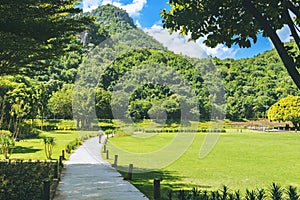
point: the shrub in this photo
(275, 193)
(73, 145)
(7, 144)
(108, 131)
(27, 131)
(49, 142)
(5, 133)
(23, 180)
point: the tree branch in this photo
(291, 25)
(288, 61)
(293, 8)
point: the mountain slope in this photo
(111, 21)
(116, 47)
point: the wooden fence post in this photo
(107, 154)
(46, 190)
(116, 161)
(129, 177)
(104, 148)
(60, 161)
(156, 189)
(56, 170)
(63, 154)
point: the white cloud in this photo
(180, 44)
(88, 5)
(220, 51)
(284, 34)
(138, 24)
(133, 9)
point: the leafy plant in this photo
(261, 194)
(224, 193)
(237, 195)
(292, 193)
(7, 143)
(22, 180)
(49, 142)
(276, 192)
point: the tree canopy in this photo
(239, 22)
(286, 109)
(34, 31)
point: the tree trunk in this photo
(287, 60)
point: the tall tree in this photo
(33, 31)
(60, 103)
(239, 22)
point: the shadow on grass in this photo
(144, 181)
(62, 132)
(20, 149)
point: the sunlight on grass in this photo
(34, 148)
(239, 160)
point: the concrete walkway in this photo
(88, 176)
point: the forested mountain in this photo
(122, 67)
(254, 84)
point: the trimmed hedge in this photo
(24, 180)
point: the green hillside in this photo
(253, 84)
(114, 51)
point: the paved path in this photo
(88, 176)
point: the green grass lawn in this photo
(34, 148)
(239, 160)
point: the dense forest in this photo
(123, 72)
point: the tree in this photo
(49, 142)
(286, 109)
(83, 105)
(102, 101)
(7, 143)
(34, 31)
(239, 22)
(60, 103)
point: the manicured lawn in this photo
(239, 160)
(34, 148)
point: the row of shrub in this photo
(73, 145)
(21, 180)
(184, 130)
(76, 143)
(55, 127)
(274, 192)
(71, 128)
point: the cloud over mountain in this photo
(133, 9)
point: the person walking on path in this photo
(100, 133)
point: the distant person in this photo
(100, 133)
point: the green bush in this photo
(24, 180)
(27, 131)
(73, 145)
(5, 133)
(108, 131)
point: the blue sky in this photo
(146, 14)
